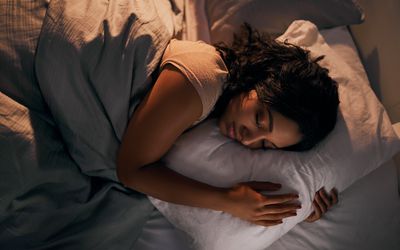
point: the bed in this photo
(341, 228)
(99, 213)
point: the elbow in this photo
(129, 166)
(128, 169)
(121, 175)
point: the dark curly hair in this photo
(286, 80)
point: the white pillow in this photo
(362, 140)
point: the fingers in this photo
(280, 198)
(273, 219)
(276, 212)
(311, 217)
(279, 216)
(334, 196)
(326, 200)
(322, 202)
(263, 186)
(277, 209)
(317, 210)
(316, 214)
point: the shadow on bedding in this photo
(46, 202)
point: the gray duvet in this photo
(61, 119)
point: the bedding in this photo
(46, 201)
(196, 21)
(367, 217)
(362, 140)
(275, 16)
(101, 56)
(354, 216)
(19, 29)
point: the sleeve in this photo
(203, 67)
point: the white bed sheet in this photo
(359, 221)
(367, 217)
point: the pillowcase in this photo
(362, 140)
(274, 17)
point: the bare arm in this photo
(167, 111)
(165, 184)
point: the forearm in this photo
(162, 183)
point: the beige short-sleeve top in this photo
(202, 65)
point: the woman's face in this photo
(249, 122)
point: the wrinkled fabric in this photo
(362, 140)
(47, 201)
(94, 64)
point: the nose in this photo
(249, 137)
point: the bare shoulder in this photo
(175, 91)
(170, 108)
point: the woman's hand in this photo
(266, 210)
(322, 202)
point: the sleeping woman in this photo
(264, 94)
